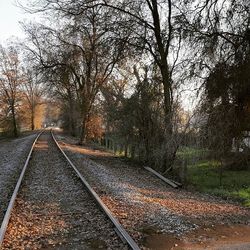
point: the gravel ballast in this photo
(13, 154)
(53, 209)
(147, 207)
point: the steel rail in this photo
(119, 228)
(7, 214)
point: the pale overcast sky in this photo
(9, 17)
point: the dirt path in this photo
(157, 216)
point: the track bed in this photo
(54, 210)
(13, 154)
(154, 214)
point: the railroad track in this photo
(53, 206)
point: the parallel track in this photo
(7, 215)
(117, 226)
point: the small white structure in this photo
(239, 146)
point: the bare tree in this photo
(32, 92)
(155, 29)
(93, 49)
(156, 33)
(10, 81)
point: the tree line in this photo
(20, 92)
(120, 68)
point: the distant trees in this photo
(149, 30)
(18, 85)
(102, 33)
(33, 92)
(10, 81)
(167, 47)
(86, 48)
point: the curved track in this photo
(54, 210)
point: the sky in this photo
(10, 15)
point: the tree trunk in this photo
(82, 139)
(126, 150)
(166, 81)
(14, 121)
(169, 155)
(162, 62)
(72, 126)
(183, 172)
(83, 132)
(32, 119)
(132, 151)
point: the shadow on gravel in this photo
(180, 202)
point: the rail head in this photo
(121, 231)
(7, 214)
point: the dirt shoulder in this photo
(158, 216)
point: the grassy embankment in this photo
(204, 175)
